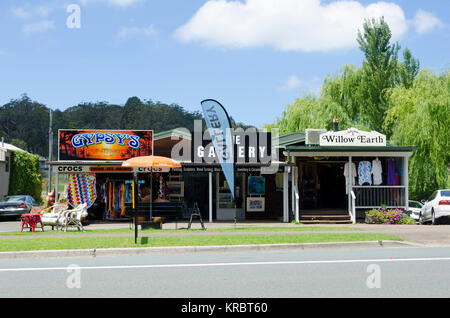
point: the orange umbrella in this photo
(151, 161)
(154, 162)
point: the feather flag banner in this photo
(82, 189)
(219, 125)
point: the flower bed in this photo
(385, 216)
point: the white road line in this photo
(383, 260)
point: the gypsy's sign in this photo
(352, 137)
(104, 144)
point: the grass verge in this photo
(181, 230)
(46, 243)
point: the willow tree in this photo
(419, 116)
(310, 111)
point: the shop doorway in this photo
(332, 186)
(323, 185)
(197, 190)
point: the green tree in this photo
(419, 116)
(25, 177)
(19, 143)
(409, 69)
(310, 111)
(378, 71)
(343, 89)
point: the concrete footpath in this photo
(414, 235)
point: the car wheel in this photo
(420, 219)
(434, 221)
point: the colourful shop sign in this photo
(83, 144)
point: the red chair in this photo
(32, 219)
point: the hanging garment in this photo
(122, 201)
(377, 171)
(364, 173)
(347, 175)
(400, 167)
(82, 189)
(391, 172)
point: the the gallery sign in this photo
(353, 137)
(248, 147)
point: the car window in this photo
(445, 193)
(14, 199)
(431, 198)
(413, 204)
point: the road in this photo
(376, 272)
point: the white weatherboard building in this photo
(5, 166)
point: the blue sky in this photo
(254, 56)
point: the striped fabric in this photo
(82, 189)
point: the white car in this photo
(436, 208)
(414, 208)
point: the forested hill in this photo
(25, 123)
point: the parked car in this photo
(436, 208)
(414, 208)
(16, 205)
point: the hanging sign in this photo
(353, 137)
(84, 145)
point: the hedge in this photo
(25, 176)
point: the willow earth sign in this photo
(352, 137)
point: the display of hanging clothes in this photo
(118, 193)
(400, 168)
(364, 172)
(391, 172)
(347, 174)
(377, 171)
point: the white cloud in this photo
(21, 13)
(131, 31)
(38, 27)
(424, 22)
(28, 11)
(287, 25)
(119, 3)
(292, 82)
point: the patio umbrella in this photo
(150, 162)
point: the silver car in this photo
(437, 207)
(16, 205)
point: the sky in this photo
(254, 56)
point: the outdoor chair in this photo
(73, 217)
(52, 216)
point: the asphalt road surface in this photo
(377, 272)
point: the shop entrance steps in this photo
(325, 217)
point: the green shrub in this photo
(25, 177)
(386, 216)
(407, 220)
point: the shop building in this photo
(342, 174)
(92, 161)
(299, 176)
